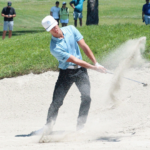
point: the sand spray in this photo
(132, 57)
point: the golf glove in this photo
(97, 64)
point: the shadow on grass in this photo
(108, 139)
(17, 33)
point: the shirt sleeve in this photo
(60, 54)
(14, 12)
(51, 9)
(3, 12)
(77, 34)
(143, 8)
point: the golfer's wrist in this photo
(96, 64)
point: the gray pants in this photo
(65, 80)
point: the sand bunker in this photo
(24, 102)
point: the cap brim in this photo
(53, 25)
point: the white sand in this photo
(24, 102)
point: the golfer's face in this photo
(55, 30)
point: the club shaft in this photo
(127, 78)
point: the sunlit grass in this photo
(30, 53)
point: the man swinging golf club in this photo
(64, 47)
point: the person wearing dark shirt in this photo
(146, 13)
(8, 13)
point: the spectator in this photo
(8, 13)
(77, 5)
(55, 11)
(64, 15)
(146, 12)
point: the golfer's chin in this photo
(56, 32)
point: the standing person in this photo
(55, 11)
(8, 13)
(64, 14)
(64, 46)
(77, 5)
(146, 13)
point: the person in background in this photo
(64, 15)
(55, 10)
(8, 13)
(146, 13)
(77, 5)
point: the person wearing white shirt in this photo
(55, 12)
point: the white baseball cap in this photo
(64, 3)
(48, 23)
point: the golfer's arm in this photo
(51, 13)
(81, 63)
(87, 50)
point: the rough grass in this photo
(30, 53)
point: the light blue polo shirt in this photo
(62, 49)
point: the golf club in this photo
(144, 84)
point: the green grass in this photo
(28, 50)
(31, 12)
(30, 53)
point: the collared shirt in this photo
(78, 5)
(146, 9)
(55, 10)
(8, 11)
(62, 49)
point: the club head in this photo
(144, 84)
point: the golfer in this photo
(72, 69)
(8, 13)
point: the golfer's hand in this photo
(6, 16)
(100, 68)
